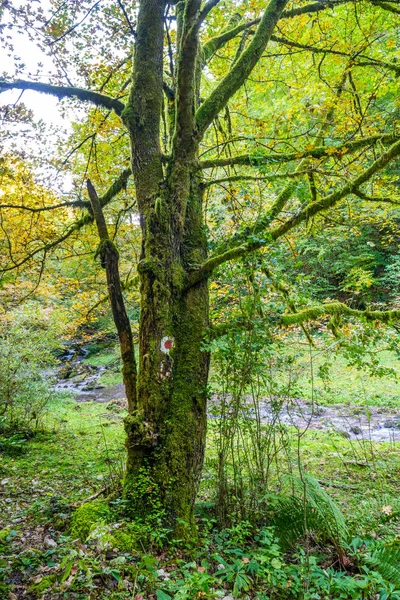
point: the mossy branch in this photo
(336, 309)
(65, 92)
(244, 177)
(284, 157)
(386, 6)
(109, 261)
(241, 69)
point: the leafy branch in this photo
(118, 185)
(283, 157)
(312, 209)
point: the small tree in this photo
(202, 115)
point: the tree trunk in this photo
(166, 432)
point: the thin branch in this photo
(131, 28)
(386, 200)
(358, 59)
(64, 92)
(73, 204)
(274, 177)
(313, 8)
(71, 29)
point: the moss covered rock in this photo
(87, 516)
(38, 589)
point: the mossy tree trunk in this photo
(167, 427)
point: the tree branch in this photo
(386, 200)
(244, 177)
(337, 309)
(109, 260)
(241, 69)
(127, 19)
(358, 60)
(313, 8)
(207, 8)
(318, 152)
(65, 92)
(72, 204)
(311, 210)
(386, 6)
(118, 185)
(233, 29)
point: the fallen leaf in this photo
(387, 510)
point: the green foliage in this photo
(309, 509)
(38, 589)
(386, 560)
(28, 341)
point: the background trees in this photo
(246, 129)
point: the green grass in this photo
(110, 378)
(102, 359)
(347, 384)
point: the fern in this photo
(309, 508)
(386, 560)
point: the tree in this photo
(200, 116)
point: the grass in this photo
(347, 384)
(103, 358)
(82, 448)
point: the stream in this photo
(374, 423)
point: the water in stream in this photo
(378, 424)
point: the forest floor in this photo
(81, 451)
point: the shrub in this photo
(28, 340)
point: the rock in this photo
(163, 574)
(343, 433)
(356, 430)
(392, 424)
(78, 378)
(50, 543)
(88, 387)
